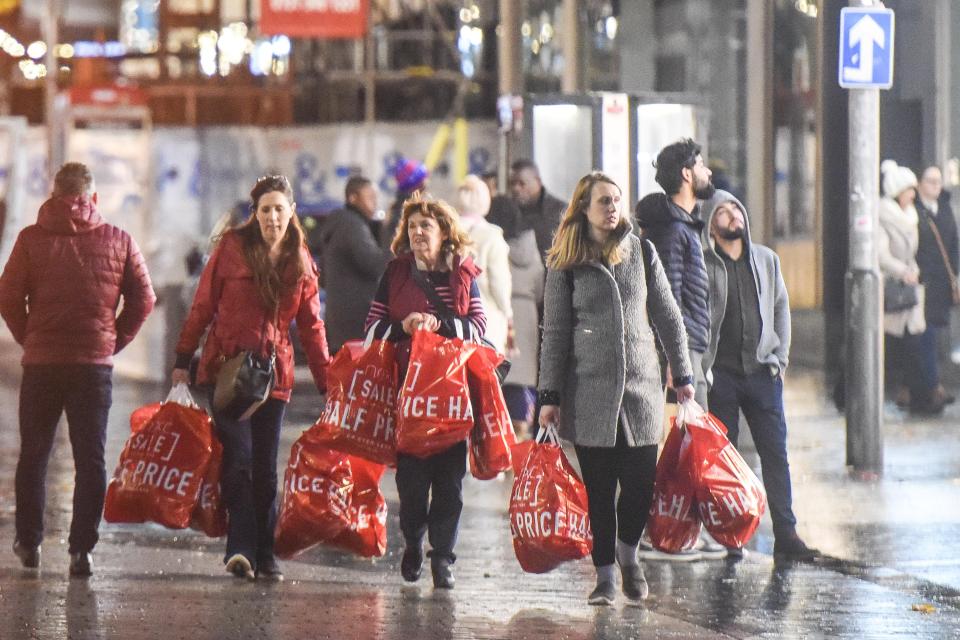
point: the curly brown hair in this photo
(446, 216)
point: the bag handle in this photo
(180, 394)
(368, 339)
(943, 249)
(689, 411)
(548, 433)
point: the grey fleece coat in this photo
(774, 346)
(598, 349)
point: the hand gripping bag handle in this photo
(180, 394)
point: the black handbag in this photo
(243, 384)
(898, 295)
(504, 368)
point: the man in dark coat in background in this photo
(539, 210)
(59, 295)
(353, 262)
(937, 271)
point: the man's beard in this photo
(730, 234)
(705, 192)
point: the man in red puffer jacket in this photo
(59, 295)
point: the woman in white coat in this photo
(902, 327)
(491, 253)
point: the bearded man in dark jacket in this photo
(672, 222)
(59, 295)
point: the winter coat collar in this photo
(69, 215)
(657, 209)
(903, 220)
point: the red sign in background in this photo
(315, 18)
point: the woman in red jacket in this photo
(429, 244)
(259, 279)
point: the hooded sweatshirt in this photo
(65, 280)
(773, 346)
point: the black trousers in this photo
(431, 497)
(604, 469)
(85, 393)
(249, 479)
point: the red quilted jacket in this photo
(63, 284)
(227, 302)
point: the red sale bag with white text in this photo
(730, 496)
(210, 514)
(161, 467)
(491, 439)
(366, 534)
(316, 499)
(360, 414)
(434, 411)
(548, 509)
(673, 524)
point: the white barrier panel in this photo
(169, 190)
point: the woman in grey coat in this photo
(599, 370)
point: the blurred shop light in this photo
(31, 70)
(139, 25)
(10, 45)
(208, 52)
(546, 32)
(281, 46)
(64, 50)
(526, 29)
(611, 27)
(262, 58)
(91, 49)
(37, 49)
(809, 7)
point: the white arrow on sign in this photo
(864, 35)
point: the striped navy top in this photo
(380, 309)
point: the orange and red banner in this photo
(315, 18)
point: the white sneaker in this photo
(687, 555)
(239, 566)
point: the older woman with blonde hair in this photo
(606, 292)
(431, 251)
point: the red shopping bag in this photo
(142, 415)
(360, 414)
(491, 439)
(210, 514)
(435, 412)
(548, 509)
(673, 523)
(161, 467)
(731, 498)
(317, 493)
(366, 535)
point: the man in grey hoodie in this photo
(748, 353)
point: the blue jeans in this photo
(760, 396)
(248, 479)
(85, 392)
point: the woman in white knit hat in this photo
(903, 320)
(491, 253)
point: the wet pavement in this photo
(891, 555)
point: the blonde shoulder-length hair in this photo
(572, 244)
(447, 218)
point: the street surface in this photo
(892, 571)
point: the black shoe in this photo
(81, 565)
(791, 548)
(604, 594)
(442, 574)
(635, 586)
(411, 564)
(268, 569)
(29, 556)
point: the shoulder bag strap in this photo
(464, 328)
(943, 250)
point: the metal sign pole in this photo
(871, 42)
